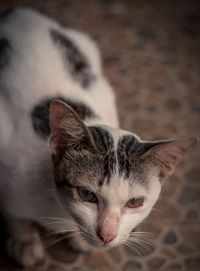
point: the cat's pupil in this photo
(87, 195)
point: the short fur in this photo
(41, 62)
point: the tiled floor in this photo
(151, 54)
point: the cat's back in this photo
(37, 55)
(39, 61)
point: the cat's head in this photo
(107, 178)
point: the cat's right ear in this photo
(166, 154)
(68, 130)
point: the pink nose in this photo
(105, 237)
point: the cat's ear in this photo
(68, 130)
(165, 155)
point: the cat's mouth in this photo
(86, 241)
(95, 243)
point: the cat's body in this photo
(40, 73)
(41, 61)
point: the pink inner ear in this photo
(167, 155)
(168, 170)
(57, 112)
(55, 145)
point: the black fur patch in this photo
(129, 151)
(74, 59)
(105, 144)
(5, 50)
(126, 151)
(40, 114)
(40, 119)
(102, 138)
(83, 110)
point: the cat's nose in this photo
(105, 237)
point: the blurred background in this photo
(151, 55)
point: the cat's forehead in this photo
(109, 137)
(118, 156)
(121, 150)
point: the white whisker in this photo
(140, 241)
(133, 246)
(53, 233)
(62, 238)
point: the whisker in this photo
(143, 240)
(138, 248)
(142, 243)
(62, 223)
(89, 236)
(62, 238)
(57, 219)
(51, 234)
(133, 246)
(143, 235)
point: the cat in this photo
(65, 163)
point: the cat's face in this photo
(104, 203)
(106, 178)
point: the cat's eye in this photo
(87, 195)
(135, 202)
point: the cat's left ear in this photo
(68, 130)
(165, 155)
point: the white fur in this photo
(35, 73)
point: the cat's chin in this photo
(85, 247)
(80, 244)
